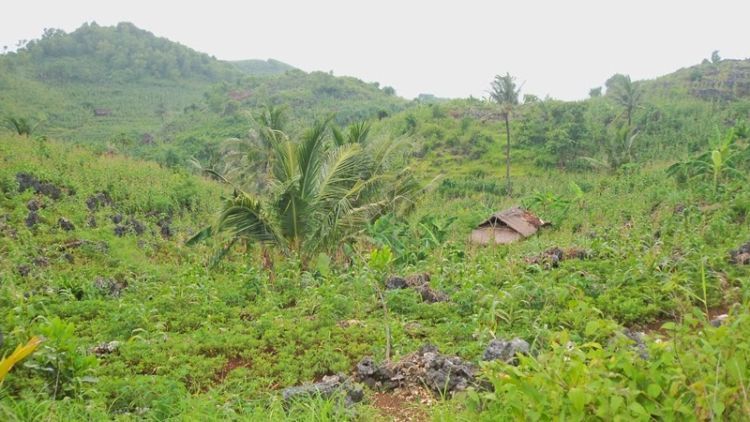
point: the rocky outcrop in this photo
(506, 351)
(327, 388)
(442, 374)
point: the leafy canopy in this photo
(319, 191)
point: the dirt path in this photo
(403, 405)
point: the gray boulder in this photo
(506, 351)
(327, 388)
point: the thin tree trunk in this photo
(507, 154)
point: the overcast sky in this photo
(451, 49)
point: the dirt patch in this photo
(715, 315)
(402, 405)
(232, 364)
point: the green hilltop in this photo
(258, 67)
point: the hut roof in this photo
(517, 219)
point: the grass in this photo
(179, 324)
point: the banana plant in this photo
(21, 353)
(720, 163)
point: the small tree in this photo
(21, 125)
(627, 94)
(505, 93)
(320, 193)
(715, 57)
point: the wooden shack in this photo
(506, 227)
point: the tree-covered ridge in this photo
(258, 67)
(121, 53)
(725, 80)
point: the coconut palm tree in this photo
(320, 194)
(21, 125)
(505, 92)
(628, 95)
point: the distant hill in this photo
(123, 86)
(726, 80)
(102, 83)
(258, 67)
(121, 53)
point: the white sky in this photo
(450, 49)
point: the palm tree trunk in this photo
(507, 154)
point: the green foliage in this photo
(262, 67)
(21, 125)
(320, 192)
(726, 160)
(60, 360)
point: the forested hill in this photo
(723, 80)
(124, 85)
(122, 53)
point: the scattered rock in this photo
(552, 257)
(24, 270)
(166, 231)
(65, 224)
(374, 376)
(679, 208)
(34, 205)
(418, 279)
(121, 231)
(327, 388)
(6, 229)
(427, 367)
(117, 218)
(420, 283)
(718, 321)
(98, 200)
(506, 351)
(415, 330)
(41, 261)
(50, 190)
(32, 219)
(741, 255)
(28, 181)
(395, 282)
(430, 295)
(91, 221)
(110, 286)
(137, 226)
(350, 323)
(106, 348)
(639, 340)
(164, 226)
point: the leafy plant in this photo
(66, 368)
(722, 162)
(21, 125)
(321, 194)
(20, 353)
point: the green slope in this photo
(256, 67)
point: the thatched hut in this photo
(506, 227)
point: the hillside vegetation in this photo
(284, 245)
